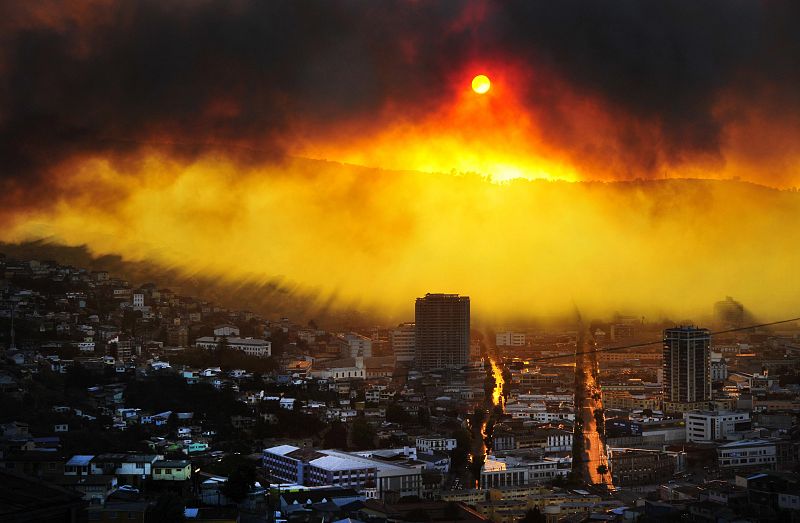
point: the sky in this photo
(630, 156)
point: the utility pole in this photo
(13, 345)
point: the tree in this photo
(424, 417)
(363, 434)
(336, 437)
(602, 469)
(240, 483)
(533, 515)
(459, 455)
(397, 414)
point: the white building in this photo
(558, 440)
(719, 370)
(340, 370)
(497, 472)
(510, 339)
(747, 453)
(550, 417)
(226, 330)
(312, 467)
(138, 300)
(356, 345)
(707, 426)
(250, 346)
(428, 444)
(403, 343)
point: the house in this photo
(130, 469)
(15, 429)
(297, 500)
(78, 465)
(36, 500)
(211, 494)
(37, 463)
(435, 461)
(156, 419)
(172, 470)
(95, 488)
(195, 446)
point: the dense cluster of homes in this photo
(711, 463)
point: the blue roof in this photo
(80, 460)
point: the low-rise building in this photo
(376, 476)
(251, 346)
(430, 444)
(707, 426)
(747, 453)
(640, 467)
(172, 470)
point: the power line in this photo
(658, 342)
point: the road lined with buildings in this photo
(589, 408)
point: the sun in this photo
(481, 84)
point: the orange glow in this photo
(497, 392)
(375, 239)
(481, 84)
(496, 136)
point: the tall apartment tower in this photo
(441, 331)
(687, 369)
(403, 344)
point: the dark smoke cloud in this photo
(107, 77)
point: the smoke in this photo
(678, 85)
(174, 132)
(376, 239)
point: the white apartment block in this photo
(559, 441)
(404, 343)
(356, 345)
(138, 300)
(250, 346)
(435, 444)
(510, 339)
(707, 426)
(719, 370)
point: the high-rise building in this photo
(442, 331)
(729, 313)
(403, 343)
(687, 369)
